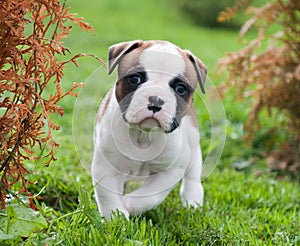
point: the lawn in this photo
(240, 206)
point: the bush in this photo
(267, 72)
(31, 34)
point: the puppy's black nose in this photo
(155, 103)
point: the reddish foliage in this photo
(267, 71)
(31, 34)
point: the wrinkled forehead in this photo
(160, 58)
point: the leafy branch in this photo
(29, 66)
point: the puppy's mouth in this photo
(152, 124)
(149, 124)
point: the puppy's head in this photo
(156, 82)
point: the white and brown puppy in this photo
(146, 128)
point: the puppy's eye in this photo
(181, 89)
(135, 79)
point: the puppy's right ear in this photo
(117, 51)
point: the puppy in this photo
(146, 128)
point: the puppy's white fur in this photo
(124, 150)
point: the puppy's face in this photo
(156, 82)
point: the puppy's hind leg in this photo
(152, 192)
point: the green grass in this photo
(239, 207)
(238, 210)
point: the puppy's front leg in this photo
(109, 199)
(109, 186)
(152, 192)
(191, 190)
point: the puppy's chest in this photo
(169, 156)
(142, 170)
(149, 155)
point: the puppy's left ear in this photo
(199, 67)
(117, 51)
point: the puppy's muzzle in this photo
(155, 103)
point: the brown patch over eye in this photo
(126, 87)
(184, 97)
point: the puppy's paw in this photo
(111, 213)
(117, 212)
(192, 196)
(192, 203)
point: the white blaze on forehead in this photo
(163, 57)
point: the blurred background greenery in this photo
(116, 21)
